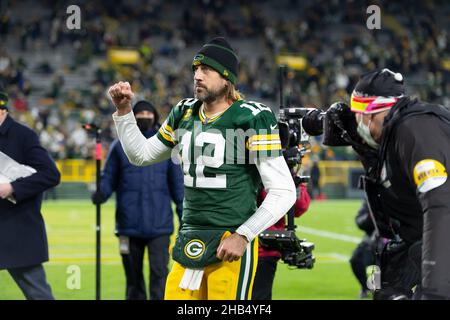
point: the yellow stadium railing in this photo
(75, 170)
(331, 172)
(336, 172)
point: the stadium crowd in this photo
(417, 47)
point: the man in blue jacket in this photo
(23, 239)
(144, 216)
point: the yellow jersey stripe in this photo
(265, 142)
(202, 116)
(168, 133)
(167, 128)
(166, 136)
(260, 137)
(265, 147)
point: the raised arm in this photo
(139, 150)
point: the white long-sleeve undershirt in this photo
(281, 196)
(274, 172)
(139, 150)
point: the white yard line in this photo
(329, 234)
(333, 256)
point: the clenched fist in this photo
(232, 248)
(121, 95)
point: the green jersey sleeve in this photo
(167, 133)
(264, 139)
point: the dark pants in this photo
(265, 274)
(314, 189)
(362, 257)
(32, 282)
(158, 253)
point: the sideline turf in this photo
(71, 233)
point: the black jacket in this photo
(23, 240)
(412, 131)
(413, 187)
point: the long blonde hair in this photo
(232, 93)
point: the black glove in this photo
(337, 121)
(342, 130)
(97, 198)
(340, 126)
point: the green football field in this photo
(71, 232)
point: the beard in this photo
(210, 95)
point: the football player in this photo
(228, 146)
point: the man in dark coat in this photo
(23, 239)
(407, 187)
(144, 216)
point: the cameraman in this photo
(407, 185)
(267, 258)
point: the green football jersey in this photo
(218, 158)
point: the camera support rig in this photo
(294, 251)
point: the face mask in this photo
(144, 124)
(364, 132)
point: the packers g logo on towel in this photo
(194, 249)
(429, 174)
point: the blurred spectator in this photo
(316, 191)
(23, 239)
(147, 223)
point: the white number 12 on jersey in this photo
(202, 161)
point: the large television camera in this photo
(337, 124)
(295, 144)
(296, 124)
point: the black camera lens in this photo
(313, 122)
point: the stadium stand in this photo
(57, 78)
